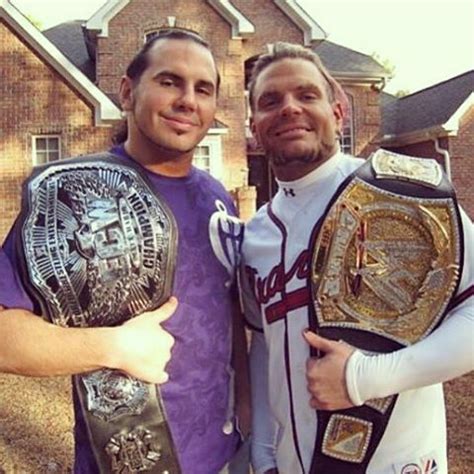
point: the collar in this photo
(291, 189)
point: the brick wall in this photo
(34, 99)
(461, 153)
(461, 149)
(270, 23)
(366, 117)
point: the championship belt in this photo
(385, 265)
(98, 247)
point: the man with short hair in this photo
(354, 251)
(169, 97)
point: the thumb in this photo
(165, 311)
(318, 342)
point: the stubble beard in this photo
(161, 149)
(312, 156)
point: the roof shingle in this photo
(427, 108)
(70, 40)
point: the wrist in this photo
(109, 341)
(351, 378)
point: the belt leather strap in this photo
(98, 247)
(385, 265)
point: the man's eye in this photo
(309, 97)
(268, 102)
(203, 90)
(167, 82)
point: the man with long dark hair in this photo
(168, 96)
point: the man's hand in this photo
(144, 347)
(326, 375)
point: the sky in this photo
(428, 41)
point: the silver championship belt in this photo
(98, 247)
(385, 266)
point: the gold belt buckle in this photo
(385, 264)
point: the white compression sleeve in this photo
(447, 353)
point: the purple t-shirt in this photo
(198, 394)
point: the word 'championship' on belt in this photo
(385, 265)
(98, 247)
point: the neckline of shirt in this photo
(120, 150)
(317, 175)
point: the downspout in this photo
(446, 157)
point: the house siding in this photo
(35, 99)
(461, 148)
(461, 154)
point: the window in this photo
(347, 137)
(150, 34)
(46, 148)
(202, 158)
(208, 156)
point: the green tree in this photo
(402, 93)
(35, 21)
(386, 63)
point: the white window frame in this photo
(350, 126)
(34, 138)
(214, 143)
(147, 35)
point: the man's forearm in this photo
(140, 347)
(445, 354)
(31, 346)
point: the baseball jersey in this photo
(276, 258)
(198, 397)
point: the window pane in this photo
(202, 150)
(346, 139)
(150, 35)
(53, 156)
(41, 143)
(202, 163)
(53, 144)
(202, 158)
(41, 157)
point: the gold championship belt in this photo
(385, 265)
(98, 247)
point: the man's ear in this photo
(253, 129)
(126, 93)
(338, 114)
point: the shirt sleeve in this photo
(12, 292)
(448, 352)
(264, 427)
(249, 305)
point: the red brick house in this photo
(58, 87)
(436, 122)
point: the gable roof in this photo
(241, 25)
(344, 63)
(69, 38)
(104, 109)
(437, 108)
(311, 30)
(349, 65)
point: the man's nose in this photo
(187, 99)
(290, 105)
